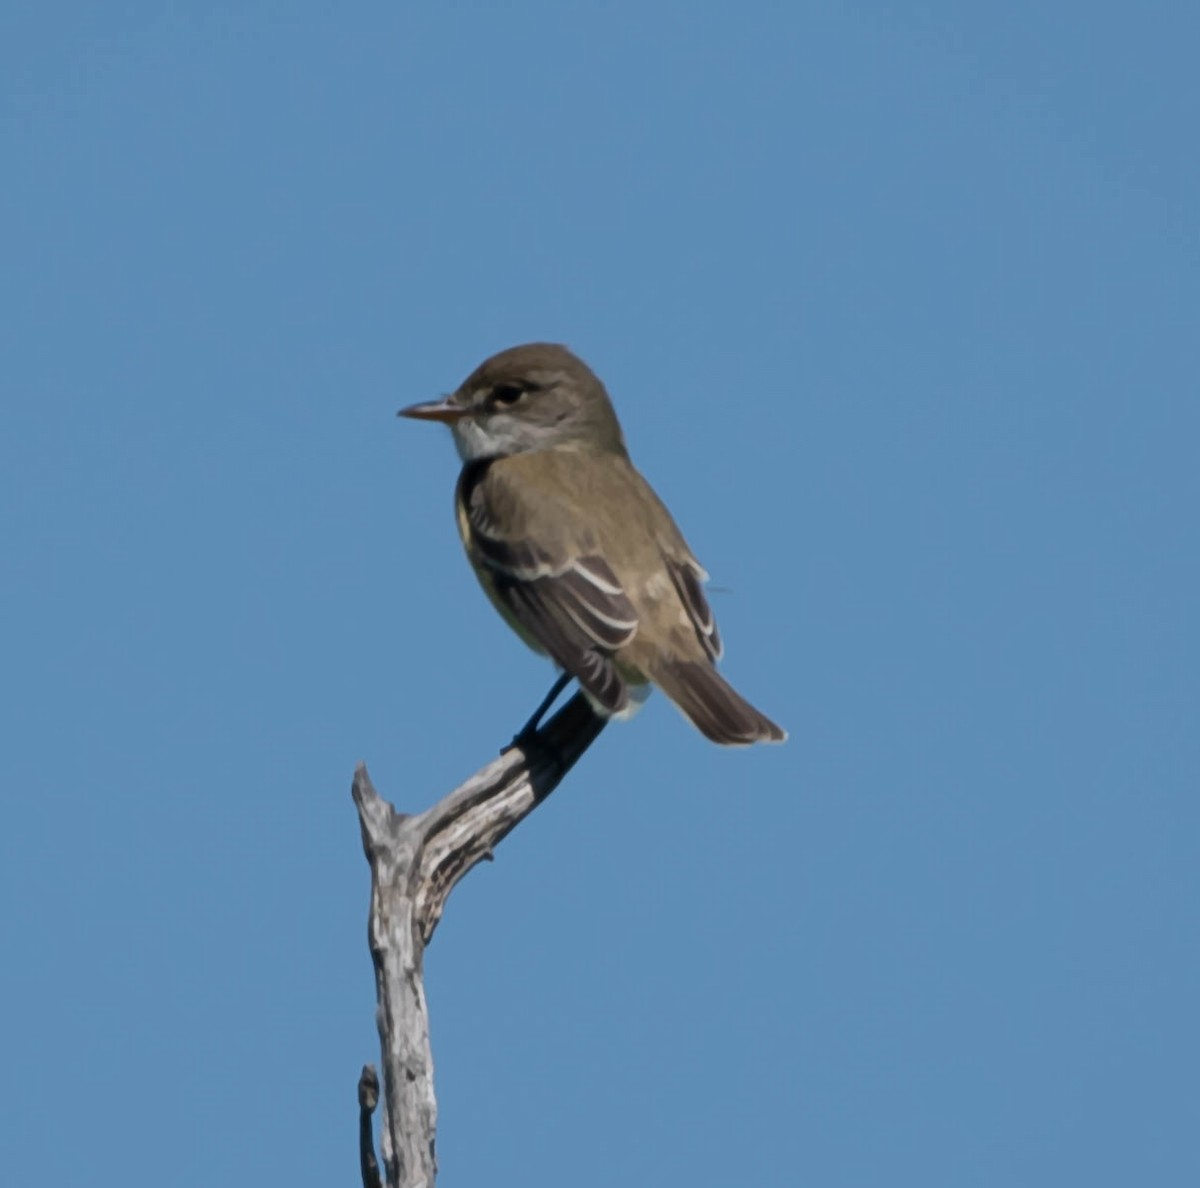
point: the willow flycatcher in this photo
(575, 550)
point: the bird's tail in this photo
(712, 705)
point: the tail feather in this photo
(712, 705)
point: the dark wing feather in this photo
(539, 607)
(578, 622)
(689, 583)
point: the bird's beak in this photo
(435, 410)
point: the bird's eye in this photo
(507, 393)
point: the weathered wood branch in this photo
(416, 860)
(368, 1099)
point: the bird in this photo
(574, 548)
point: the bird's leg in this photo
(530, 728)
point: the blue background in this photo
(900, 307)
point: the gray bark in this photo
(416, 860)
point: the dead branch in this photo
(416, 860)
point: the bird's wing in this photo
(688, 576)
(566, 598)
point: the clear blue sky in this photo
(900, 307)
